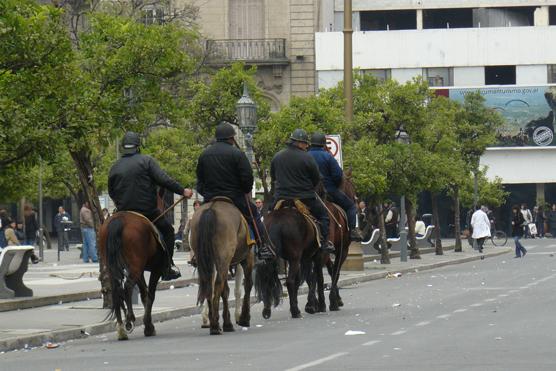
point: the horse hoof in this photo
(297, 315)
(215, 331)
(122, 335)
(340, 303)
(266, 313)
(229, 328)
(243, 323)
(334, 308)
(149, 331)
(308, 309)
(205, 326)
(322, 308)
(129, 327)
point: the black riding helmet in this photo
(224, 131)
(131, 143)
(318, 139)
(300, 135)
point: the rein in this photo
(341, 232)
(170, 208)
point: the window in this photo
(153, 16)
(552, 16)
(504, 17)
(552, 74)
(448, 18)
(500, 75)
(381, 75)
(439, 76)
(388, 20)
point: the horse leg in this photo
(247, 272)
(320, 283)
(120, 330)
(292, 283)
(145, 298)
(130, 316)
(311, 306)
(227, 326)
(205, 315)
(147, 317)
(215, 303)
(237, 292)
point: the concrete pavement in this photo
(64, 321)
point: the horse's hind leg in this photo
(205, 315)
(130, 316)
(237, 292)
(215, 302)
(247, 267)
(292, 283)
(147, 319)
(227, 326)
(146, 300)
(120, 330)
(311, 306)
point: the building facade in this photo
(499, 47)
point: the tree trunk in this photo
(457, 227)
(410, 213)
(82, 160)
(384, 254)
(436, 223)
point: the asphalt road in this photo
(493, 314)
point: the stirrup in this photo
(328, 247)
(172, 273)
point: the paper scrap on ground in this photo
(352, 332)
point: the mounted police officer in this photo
(132, 186)
(295, 175)
(224, 170)
(332, 176)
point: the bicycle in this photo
(497, 237)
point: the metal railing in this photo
(247, 50)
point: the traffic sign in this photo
(334, 144)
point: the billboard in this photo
(528, 112)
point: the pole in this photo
(348, 61)
(403, 232)
(41, 246)
(475, 200)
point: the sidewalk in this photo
(60, 322)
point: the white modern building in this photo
(502, 47)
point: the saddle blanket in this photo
(300, 206)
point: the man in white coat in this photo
(481, 227)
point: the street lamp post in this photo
(246, 110)
(403, 138)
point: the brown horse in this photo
(339, 235)
(295, 241)
(219, 239)
(129, 246)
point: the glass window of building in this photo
(439, 76)
(552, 74)
(500, 75)
(380, 74)
(448, 18)
(382, 20)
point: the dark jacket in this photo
(223, 170)
(31, 226)
(517, 224)
(132, 183)
(329, 169)
(58, 226)
(294, 174)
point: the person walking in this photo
(551, 218)
(88, 233)
(31, 225)
(61, 221)
(540, 217)
(481, 227)
(517, 231)
(528, 217)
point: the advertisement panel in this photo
(528, 112)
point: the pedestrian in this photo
(31, 225)
(12, 239)
(3, 224)
(528, 217)
(481, 227)
(539, 219)
(105, 213)
(420, 227)
(61, 221)
(391, 219)
(517, 231)
(260, 205)
(551, 218)
(87, 224)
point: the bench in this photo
(374, 238)
(13, 265)
(419, 241)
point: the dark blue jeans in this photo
(243, 205)
(339, 197)
(518, 246)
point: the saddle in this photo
(250, 236)
(300, 206)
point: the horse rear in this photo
(219, 239)
(127, 248)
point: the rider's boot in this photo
(327, 247)
(172, 272)
(354, 235)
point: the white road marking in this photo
(460, 310)
(317, 362)
(503, 295)
(490, 300)
(444, 316)
(369, 343)
(476, 305)
(401, 332)
(424, 323)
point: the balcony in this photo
(250, 51)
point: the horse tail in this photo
(117, 267)
(205, 253)
(267, 284)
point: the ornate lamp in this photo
(246, 111)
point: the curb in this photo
(57, 336)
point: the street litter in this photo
(429, 285)
(498, 338)
(85, 333)
(351, 333)
(396, 305)
(171, 287)
(50, 345)
(259, 326)
(393, 275)
(244, 329)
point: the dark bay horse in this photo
(129, 246)
(294, 240)
(219, 239)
